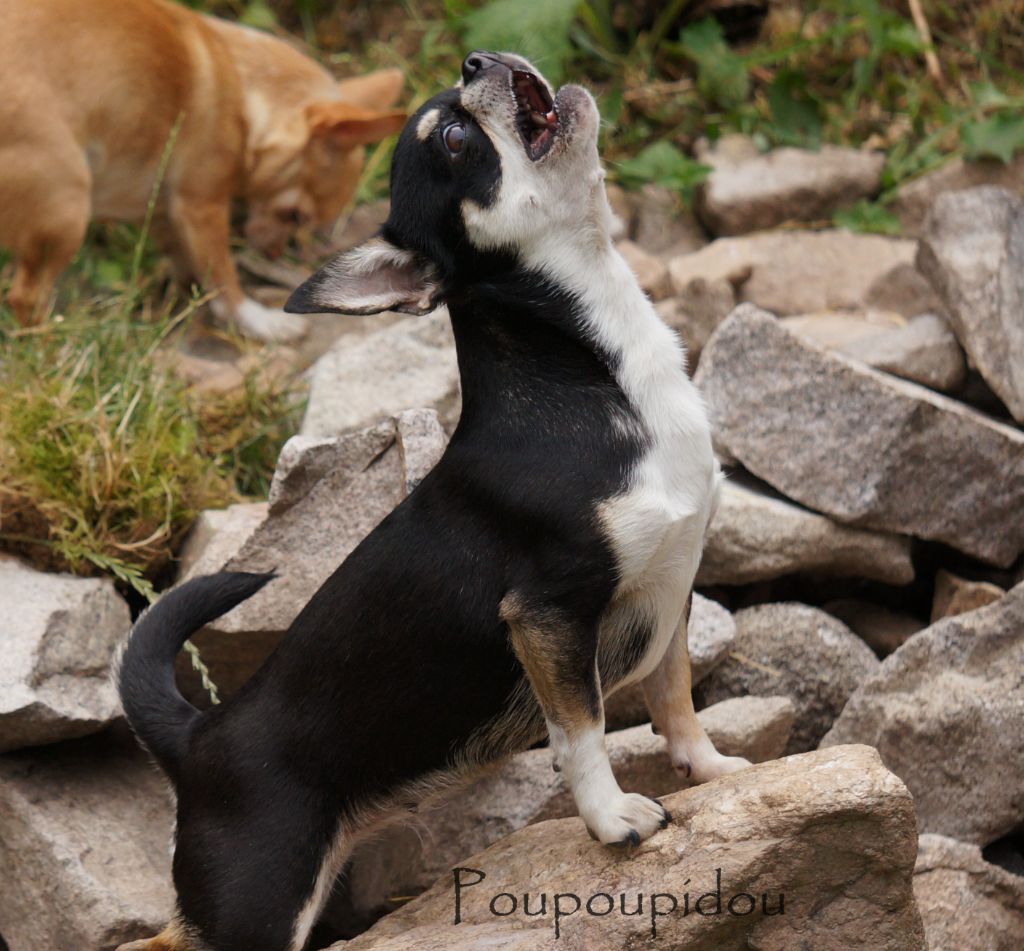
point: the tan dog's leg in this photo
(560, 663)
(670, 702)
(50, 235)
(203, 230)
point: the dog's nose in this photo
(477, 62)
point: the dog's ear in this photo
(372, 278)
(377, 90)
(347, 125)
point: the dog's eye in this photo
(454, 137)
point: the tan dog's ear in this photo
(372, 278)
(374, 90)
(347, 125)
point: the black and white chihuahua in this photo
(545, 562)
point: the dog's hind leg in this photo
(667, 690)
(560, 659)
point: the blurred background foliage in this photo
(786, 72)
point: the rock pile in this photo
(862, 584)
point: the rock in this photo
(954, 595)
(797, 272)
(904, 290)
(972, 251)
(946, 711)
(623, 212)
(404, 860)
(84, 835)
(60, 635)
(651, 272)
(915, 199)
(922, 349)
(795, 651)
(327, 495)
(217, 535)
(360, 224)
(829, 835)
(710, 636)
(411, 363)
(882, 629)
(696, 311)
(861, 446)
(966, 903)
(662, 226)
(755, 537)
(760, 191)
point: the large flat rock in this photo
(85, 833)
(750, 192)
(802, 272)
(756, 537)
(830, 834)
(59, 636)
(405, 860)
(946, 711)
(861, 446)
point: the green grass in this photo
(106, 455)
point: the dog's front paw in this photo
(267, 325)
(704, 768)
(627, 819)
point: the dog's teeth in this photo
(537, 119)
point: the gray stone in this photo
(882, 629)
(946, 711)
(328, 496)
(966, 903)
(864, 447)
(972, 250)
(404, 860)
(922, 349)
(709, 637)
(60, 635)
(832, 831)
(752, 192)
(795, 651)
(408, 364)
(755, 537)
(85, 830)
(651, 272)
(915, 199)
(797, 272)
(661, 225)
(695, 311)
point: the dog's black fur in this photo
(400, 667)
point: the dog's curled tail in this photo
(160, 716)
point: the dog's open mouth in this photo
(536, 117)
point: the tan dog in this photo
(93, 92)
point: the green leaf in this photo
(258, 14)
(664, 164)
(796, 116)
(867, 216)
(998, 136)
(987, 95)
(538, 31)
(722, 76)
